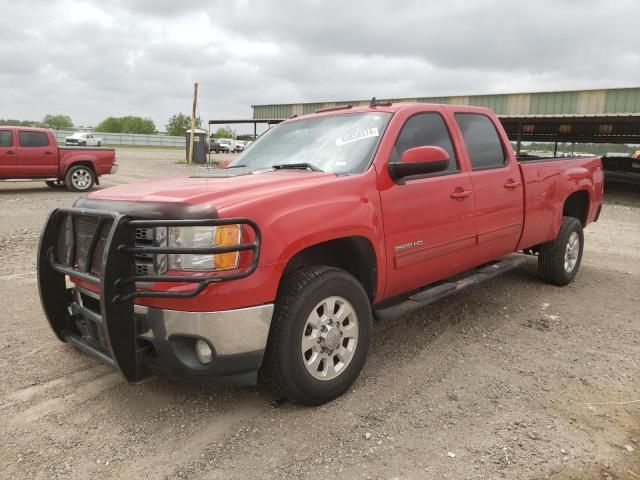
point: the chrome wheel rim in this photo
(81, 179)
(329, 338)
(571, 252)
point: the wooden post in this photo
(193, 122)
(519, 139)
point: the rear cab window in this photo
(425, 129)
(33, 139)
(481, 138)
(6, 138)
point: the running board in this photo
(443, 289)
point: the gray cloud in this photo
(95, 59)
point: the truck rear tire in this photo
(559, 259)
(80, 178)
(319, 336)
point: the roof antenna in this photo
(376, 103)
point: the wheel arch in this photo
(86, 163)
(354, 254)
(576, 205)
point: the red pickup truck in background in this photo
(281, 262)
(33, 154)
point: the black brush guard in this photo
(118, 281)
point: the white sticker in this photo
(360, 135)
(340, 164)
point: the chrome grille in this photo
(96, 261)
(76, 234)
(144, 261)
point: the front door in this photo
(429, 220)
(8, 157)
(497, 187)
(36, 158)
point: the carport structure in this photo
(597, 116)
(250, 121)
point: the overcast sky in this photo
(94, 59)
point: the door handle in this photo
(459, 194)
(48, 153)
(511, 184)
(10, 152)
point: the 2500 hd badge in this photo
(406, 246)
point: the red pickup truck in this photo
(280, 262)
(33, 154)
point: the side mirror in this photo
(419, 161)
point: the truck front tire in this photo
(80, 178)
(319, 335)
(559, 260)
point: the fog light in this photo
(203, 351)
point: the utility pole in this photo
(193, 122)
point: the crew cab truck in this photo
(83, 139)
(280, 262)
(33, 154)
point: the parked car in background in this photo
(83, 139)
(282, 261)
(239, 147)
(623, 169)
(225, 145)
(33, 154)
(214, 146)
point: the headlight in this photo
(221, 236)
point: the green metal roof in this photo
(601, 103)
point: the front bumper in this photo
(237, 339)
(141, 341)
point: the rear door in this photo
(8, 156)
(36, 157)
(429, 220)
(497, 186)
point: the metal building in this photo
(607, 115)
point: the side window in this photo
(483, 144)
(33, 139)
(425, 129)
(6, 139)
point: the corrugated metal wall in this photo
(585, 102)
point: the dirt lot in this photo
(514, 379)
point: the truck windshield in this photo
(337, 143)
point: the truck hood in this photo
(191, 197)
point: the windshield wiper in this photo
(235, 166)
(297, 166)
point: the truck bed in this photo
(548, 182)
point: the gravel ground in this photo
(513, 379)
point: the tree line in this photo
(57, 122)
(177, 125)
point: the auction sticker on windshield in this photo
(360, 135)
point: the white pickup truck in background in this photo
(84, 139)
